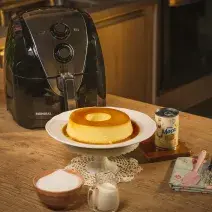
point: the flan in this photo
(99, 125)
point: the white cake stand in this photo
(100, 157)
(101, 153)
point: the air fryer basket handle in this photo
(69, 91)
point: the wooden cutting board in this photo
(153, 155)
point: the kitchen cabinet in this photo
(126, 35)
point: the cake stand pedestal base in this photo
(101, 163)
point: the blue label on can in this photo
(169, 130)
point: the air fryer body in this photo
(53, 63)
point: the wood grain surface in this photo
(128, 56)
(25, 153)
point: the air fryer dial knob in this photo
(63, 53)
(60, 31)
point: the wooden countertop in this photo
(25, 153)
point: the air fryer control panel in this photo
(60, 44)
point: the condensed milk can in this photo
(167, 133)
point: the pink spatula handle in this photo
(200, 160)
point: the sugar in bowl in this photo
(58, 189)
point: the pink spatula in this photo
(192, 178)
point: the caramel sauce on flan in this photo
(116, 117)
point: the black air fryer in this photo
(53, 63)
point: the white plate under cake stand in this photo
(101, 153)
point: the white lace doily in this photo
(127, 168)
